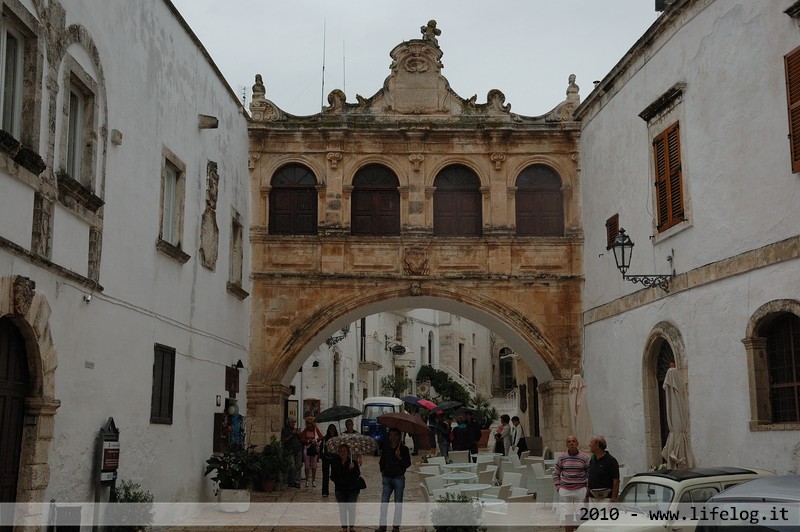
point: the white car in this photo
(663, 491)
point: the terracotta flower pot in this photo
(484, 441)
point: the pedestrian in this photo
(394, 461)
(349, 429)
(603, 474)
(570, 476)
(460, 436)
(474, 430)
(345, 474)
(443, 435)
(328, 456)
(290, 439)
(311, 438)
(503, 436)
(518, 443)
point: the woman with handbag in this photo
(346, 476)
(328, 456)
(311, 438)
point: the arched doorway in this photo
(14, 387)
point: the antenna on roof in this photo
(322, 95)
(344, 70)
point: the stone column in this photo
(555, 427)
(265, 405)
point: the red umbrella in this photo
(404, 422)
(430, 405)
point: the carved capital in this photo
(24, 289)
(498, 159)
(333, 158)
(416, 160)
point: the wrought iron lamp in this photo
(622, 245)
(336, 338)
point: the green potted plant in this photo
(273, 464)
(487, 415)
(234, 473)
(136, 513)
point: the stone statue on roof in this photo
(430, 32)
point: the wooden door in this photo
(13, 389)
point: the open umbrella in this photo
(404, 422)
(337, 413)
(579, 416)
(416, 401)
(358, 443)
(448, 405)
(678, 450)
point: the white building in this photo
(684, 145)
(123, 266)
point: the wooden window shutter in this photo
(669, 186)
(792, 64)
(612, 229)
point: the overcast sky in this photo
(525, 48)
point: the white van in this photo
(374, 407)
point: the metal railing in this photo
(458, 377)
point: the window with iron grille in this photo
(783, 360)
(163, 385)
(669, 186)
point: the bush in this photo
(137, 513)
(447, 388)
(450, 517)
(274, 461)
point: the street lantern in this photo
(622, 246)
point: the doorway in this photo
(14, 383)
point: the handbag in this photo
(312, 449)
(361, 483)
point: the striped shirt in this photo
(570, 472)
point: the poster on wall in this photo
(291, 408)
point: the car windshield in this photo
(638, 493)
(373, 411)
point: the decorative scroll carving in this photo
(333, 158)
(262, 109)
(563, 111)
(415, 261)
(496, 101)
(24, 289)
(498, 159)
(415, 289)
(416, 160)
(209, 231)
(336, 99)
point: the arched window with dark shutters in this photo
(293, 201)
(540, 203)
(375, 203)
(457, 203)
(783, 362)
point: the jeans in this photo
(326, 475)
(396, 485)
(297, 465)
(347, 507)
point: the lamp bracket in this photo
(649, 281)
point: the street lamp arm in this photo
(661, 281)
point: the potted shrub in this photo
(487, 415)
(273, 465)
(136, 513)
(455, 512)
(234, 473)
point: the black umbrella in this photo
(447, 405)
(337, 413)
(416, 401)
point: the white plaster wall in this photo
(734, 149)
(70, 241)
(741, 195)
(712, 321)
(16, 214)
(157, 82)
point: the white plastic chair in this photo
(487, 476)
(498, 492)
(438, 460)
(524, 454)
(426, 496)
(518, 492)
(435, 483)
(431, 469)
(458, 457)
(514, 479)
(483, 459)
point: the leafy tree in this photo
(394, 385)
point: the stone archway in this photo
(30, 312)
(295, 315)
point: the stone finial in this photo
(336, 99)
(430, 31)
(572, 89)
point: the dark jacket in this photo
(343, 477)
(390, 465)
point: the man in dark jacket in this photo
(395, 459)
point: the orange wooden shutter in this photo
(792, 63)
(612, 229)
(675, 186)
(669, 186)
(659, 150)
